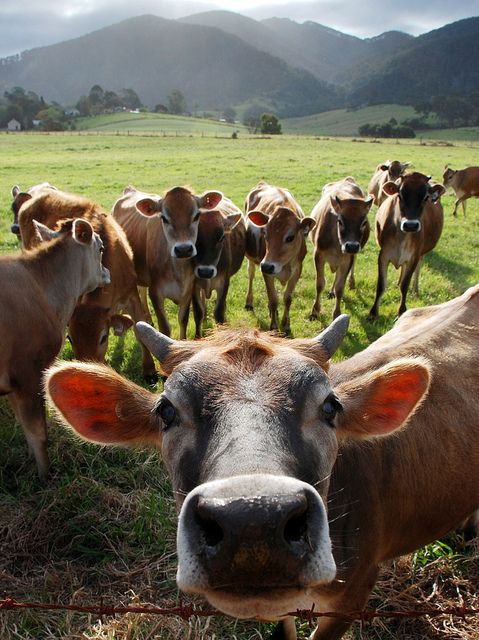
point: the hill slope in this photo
(153, 56)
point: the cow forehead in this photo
(179, 201)
(353, 209)
(281, 220)
(210, 221)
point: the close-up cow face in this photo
(212, 230)
(179, 211)
(352, 222)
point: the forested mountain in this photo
(220, 59)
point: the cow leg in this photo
(353, 598)
(320, 284)
(143, 295)
(339, 282)
(272, 301)
(287, 299)
(183, 316)
(220, 307)
(461, 200)
(383, 263)
(284, 630)
(415, 280)
(29, 409)
(407, 271)
(137, 310)
(199, 311)
(249, 295)
(352, 279)
(159, 306)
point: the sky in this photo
(26, 24)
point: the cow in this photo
(341, 231)
(19, 197)
(385, 172)
(276, 240)
(162, 231)
(220, 249)
(99, 311)
(464, 183)
(289, 487)
(408, 225)
(39, 291)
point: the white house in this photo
(14, 125)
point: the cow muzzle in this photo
(205, 272)
(184, 250)
(15, 228)
(351, 247)
(246, 538)
(270, 268)
(410, 226)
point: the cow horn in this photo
(330, 339)
(156, 342)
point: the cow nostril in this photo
(296, 527)
(210, 530)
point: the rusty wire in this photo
(186, 611)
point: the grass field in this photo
(103, 528)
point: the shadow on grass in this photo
(456, 272)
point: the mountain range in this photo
(220, 59)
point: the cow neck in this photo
(57, 269)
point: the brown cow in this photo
(39, 291)
(97, 312)
(408, 225)
(464, 183)
(275, 239)
(341, 231)
(220, 248)
(163, 242)
(264, 447)
(19, 197)
(385, 172)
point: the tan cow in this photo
(341, 231)
(385, 172)
(39, 291)
(163, 241)
(408, 225)
(290, 491)
(99, 311)
(220, 249)
(464, 183)
(276, 240)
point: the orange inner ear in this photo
(102, 407)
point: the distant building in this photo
(14, 125)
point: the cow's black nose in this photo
(411, 226)
(184, 250)
(205, 272)
(267, 267)
(351, 247)
(15, 229)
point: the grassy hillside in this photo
(103, 528)
(155, 122)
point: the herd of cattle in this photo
(83, 268)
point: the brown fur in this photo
(464, 183)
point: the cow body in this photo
(163, 241)
(39, 291)
(220, 249)
(99, 311)
(464, 183)
(341, 231)
(408, 225)
(261, 444)
(275, 239)
(388, 171)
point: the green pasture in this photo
(102, 529)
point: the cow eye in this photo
(166, 411)
(341, 223)
(164, 219)
(331, 407)
(104, 337)
(196, 217)
(289, 238)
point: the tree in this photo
(252, 117)
(270, 124)
(176, 102)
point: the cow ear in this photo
(210, 199)
(384, 167)
(379, 402)
(336, 204)
(436, 191)
(100, 405)
(82, 231)
(368, 202)
(149, 206)
(307, 225)
(15, 191)
(258, 218)
(44, 233)
(21, 198)
(390, 188)
(231, 220)
(120, 323)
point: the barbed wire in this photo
(188, 610)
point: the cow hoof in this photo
(314, 316)
(248, 307)
(372, 317)
(331, 295)
(151, 378)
